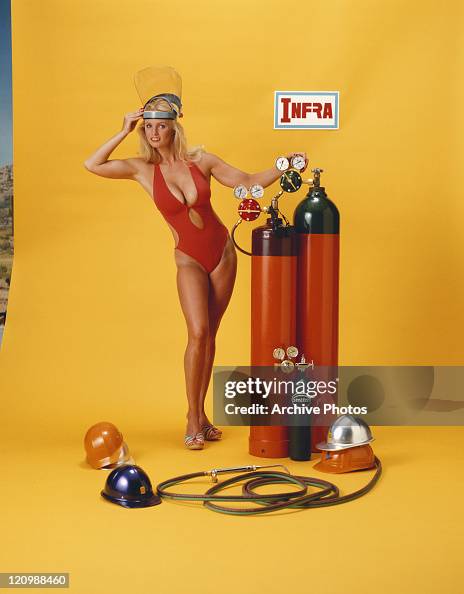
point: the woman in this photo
(178, 180)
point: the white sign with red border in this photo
(306, 109)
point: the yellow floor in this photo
(404, 536)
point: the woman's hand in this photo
(289, 157)
(130, 120)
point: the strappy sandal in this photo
(211, 433)
(194, 442)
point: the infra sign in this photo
(306, 109)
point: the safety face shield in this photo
(160, 82)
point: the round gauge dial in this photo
(287, 365)
(292, 352)
(240, 192)
(249, 209)
(290, 181)
(257, 191)
(298, 162)
(282, 163)
(278, 353)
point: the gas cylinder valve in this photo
(316, 181)
(302, 365)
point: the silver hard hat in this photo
(347, 432)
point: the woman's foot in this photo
(194, 442)
(210, 432)
(194, 438)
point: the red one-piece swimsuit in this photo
(205, 244)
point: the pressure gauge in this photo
(282, 163)
(257, 191)
(290, 181)
(240, 192)
(287, 366)
(292, 352)
(298, 162)
(249, 209)
(278, 353)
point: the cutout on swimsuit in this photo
(196, 219)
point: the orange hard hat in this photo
(347, 460)
(104, 446)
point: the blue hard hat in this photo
(129, 486)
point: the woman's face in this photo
(159, 133)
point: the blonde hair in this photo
(181, 151)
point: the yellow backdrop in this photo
(94, 327)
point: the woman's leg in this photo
(193, 289)
(221, 284)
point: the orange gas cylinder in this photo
(317, 224)
(273, 315)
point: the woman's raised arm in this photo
(117, 168)
(230, 176)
